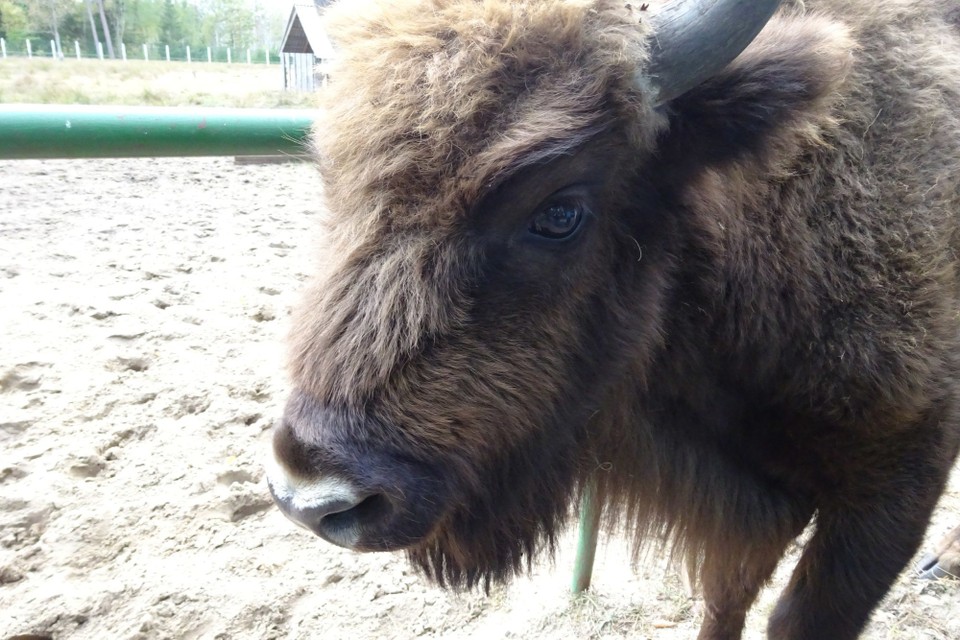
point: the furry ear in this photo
(784, 82)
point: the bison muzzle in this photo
(704, 258)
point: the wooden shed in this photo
(305, 51)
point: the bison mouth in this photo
(351, 493)
(464, 520)
(361, 514)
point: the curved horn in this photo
(694, 39)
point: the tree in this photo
(229, 22)
(93, 25)
(106, 29)
(119, 14)
(55, 23)
(34, 18)
(170, 29)
(198, 23)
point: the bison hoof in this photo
(944, 560)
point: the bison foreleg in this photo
(854, 556)
(730, 584)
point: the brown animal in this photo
(571, 239)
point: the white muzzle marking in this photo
(304, 493)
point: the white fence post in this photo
(188, 54)
(146, 54)
(3, 48)
(266, 56)
(99, 50)
(209, 55)
(248, 56)
(76, 48)
(29, 49)
(123, 51)
(229, 61)
(53, 49)
(166, 49)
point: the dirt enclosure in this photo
(143, 305)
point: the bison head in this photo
(502, 238)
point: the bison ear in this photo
(787, 80)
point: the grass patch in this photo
(135, 82)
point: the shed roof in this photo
(304, 32)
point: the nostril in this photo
(367, 510)
(341, 521)
(329, 509)
(334, 509)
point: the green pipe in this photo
(71, 131)
(587, 544)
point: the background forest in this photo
(221, 24)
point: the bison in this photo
(702, 257)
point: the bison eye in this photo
(557, 220)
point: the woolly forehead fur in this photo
(433, 101)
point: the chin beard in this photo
(496, 534)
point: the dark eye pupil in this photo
(557, 221)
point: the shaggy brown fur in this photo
(757, 323)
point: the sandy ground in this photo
(142, 310)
